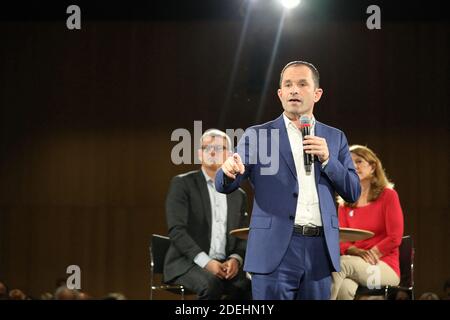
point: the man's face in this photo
(298, 92)
(213, 152)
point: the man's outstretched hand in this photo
(233, 165)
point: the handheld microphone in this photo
(305, 125)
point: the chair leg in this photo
(151, 283)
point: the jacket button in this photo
(295, 194)
(291, 217)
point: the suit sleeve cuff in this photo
(238, 258)
(202, 259)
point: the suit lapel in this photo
(203, 190)
(318, 132)
(232, 218)
(285, 146)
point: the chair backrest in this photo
(158, 249)
(406, 251)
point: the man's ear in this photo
(318, 94)
(280, 94)
(200, 155)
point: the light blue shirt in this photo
(218, 227)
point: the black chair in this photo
(158, 249)
(406, 251)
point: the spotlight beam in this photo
(236, 60)
(290, 4)
(269, 71)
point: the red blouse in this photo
(383, 217)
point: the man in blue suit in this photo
(293, 243)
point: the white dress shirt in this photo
(308, 210)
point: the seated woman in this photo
(378, 210)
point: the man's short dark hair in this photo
(315, 72)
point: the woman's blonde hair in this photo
(379, 179)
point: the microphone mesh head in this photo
(305, 121)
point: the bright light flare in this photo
(289, 4)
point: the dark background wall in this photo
(87, 116)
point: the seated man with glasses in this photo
(203, 256)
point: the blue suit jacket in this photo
(275, 200)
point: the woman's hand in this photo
(371, 256)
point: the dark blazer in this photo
(188, 213)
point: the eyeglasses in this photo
(210, 147)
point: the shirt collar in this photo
(207, 178)
(289, 123)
